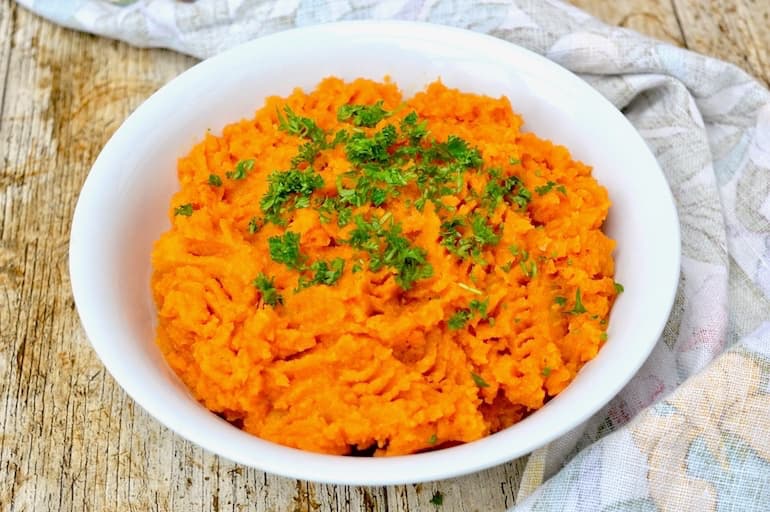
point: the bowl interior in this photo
(123, 205)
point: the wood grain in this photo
(737, 31)
(70, 439)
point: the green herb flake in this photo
(544, 189)
(266, 286)
(561, 301)
(619, 288)
(285, 186)
(362, 115)
(480, 382)
(514, 161)
(433, 439)
(603, 336)
(185, 210)
(546, 371)
(528, 268)
(437, 499)
(242, 169)
(253, 226)
(215, 180)
(562, 189)
(285, 249)
(479, 306)
(459, 319)
(579, 307)
(327, 273)
(304, 127)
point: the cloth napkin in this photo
(691, 431)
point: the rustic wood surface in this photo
(70, 439)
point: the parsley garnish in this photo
(266, 286)
(514, 161)
(361, 148)
(603, 336)
(287, 185)
(479, 381)
(544, 189)
(479, 306)
(386, 247)
(579, 307)
(410, 127)
(215, 180)
(437, 499)
(184, 210)
(327, 273)
(285, 249)
(561, 301)
(253, 227)
(529, 268)
(362, 115)
(459, 319)
(300, 126)
(546, 371)
(483, 233)
(242, 168)
(619, 288)
(433, 439)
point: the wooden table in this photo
(70, 438)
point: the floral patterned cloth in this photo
(691, 431)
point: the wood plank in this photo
(737, 31)
(655, 18)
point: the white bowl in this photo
(123, 204)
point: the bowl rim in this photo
(290, 462)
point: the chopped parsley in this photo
(413, 129)
(285, 249)
(185, 210)
(619, 288)
(388, 248)
(437, 499)
(215, 180)
(266, 286)
(242, 169)
(304, 127)
(362, 115)
(253, 227)
(529, 268)
(327, 273)
(361, 148)
(433, 439)
(603, 336)
(459, 319)
(544, 189)
(288, 188)
(579, 307)
(479, 307)
(546, 371)
(480, 382)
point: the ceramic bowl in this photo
(123, 206)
